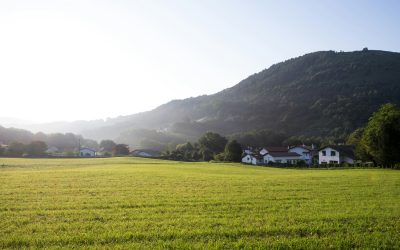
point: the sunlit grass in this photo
(136, 203)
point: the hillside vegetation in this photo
(319, 94)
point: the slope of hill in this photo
(319, 94)
(324, 93)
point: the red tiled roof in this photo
(276, 149)
(284, 154)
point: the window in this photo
(323, 153)
(333, 153)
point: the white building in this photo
(250, 159)
(87, 152)
(146, 153)
(336, 155)
(282, 157)
(305, 152)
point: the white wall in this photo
(328, 158)
(247, 159)
(263, 151)
(286, 159)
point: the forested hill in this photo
(319, 94)
(322, 94)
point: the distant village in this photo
(291, 155)
(300, 155)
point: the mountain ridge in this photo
(324, 93)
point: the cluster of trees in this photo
(379, 140)
(18, 149)
(67, 142)
(110, 148)
(210, 146)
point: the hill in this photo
(321, 94)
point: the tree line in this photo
(210, 146)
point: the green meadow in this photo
(144, 203)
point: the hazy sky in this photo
(67, 60)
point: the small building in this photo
(87, 152)
(282, 157)
(305, 152)
(249, 159)
(146, 153)
(336, 154)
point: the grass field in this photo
(144, 203)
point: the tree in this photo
(233, 151)
(90, 144)
(381, 137)
(121, 149)
(36, 148)
(360, 150)
(211, 144)
(16, 149)
(184, 147)
(107, 145)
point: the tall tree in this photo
(381, 137)
(107, 145)
(16, 149)
(36, 148)
(233, 151)
(211, 144)
(121, 149)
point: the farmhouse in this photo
(146, 153)
(336, 154)
(87, 152)
(282, 157)
(305, 152)
(251, 159)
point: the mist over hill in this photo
(324, 93)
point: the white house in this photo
(146, 153)
(87, 152)
(336, 155)
(305, 152)
(250, 159)
(282, 157)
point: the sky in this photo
(82, 60)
